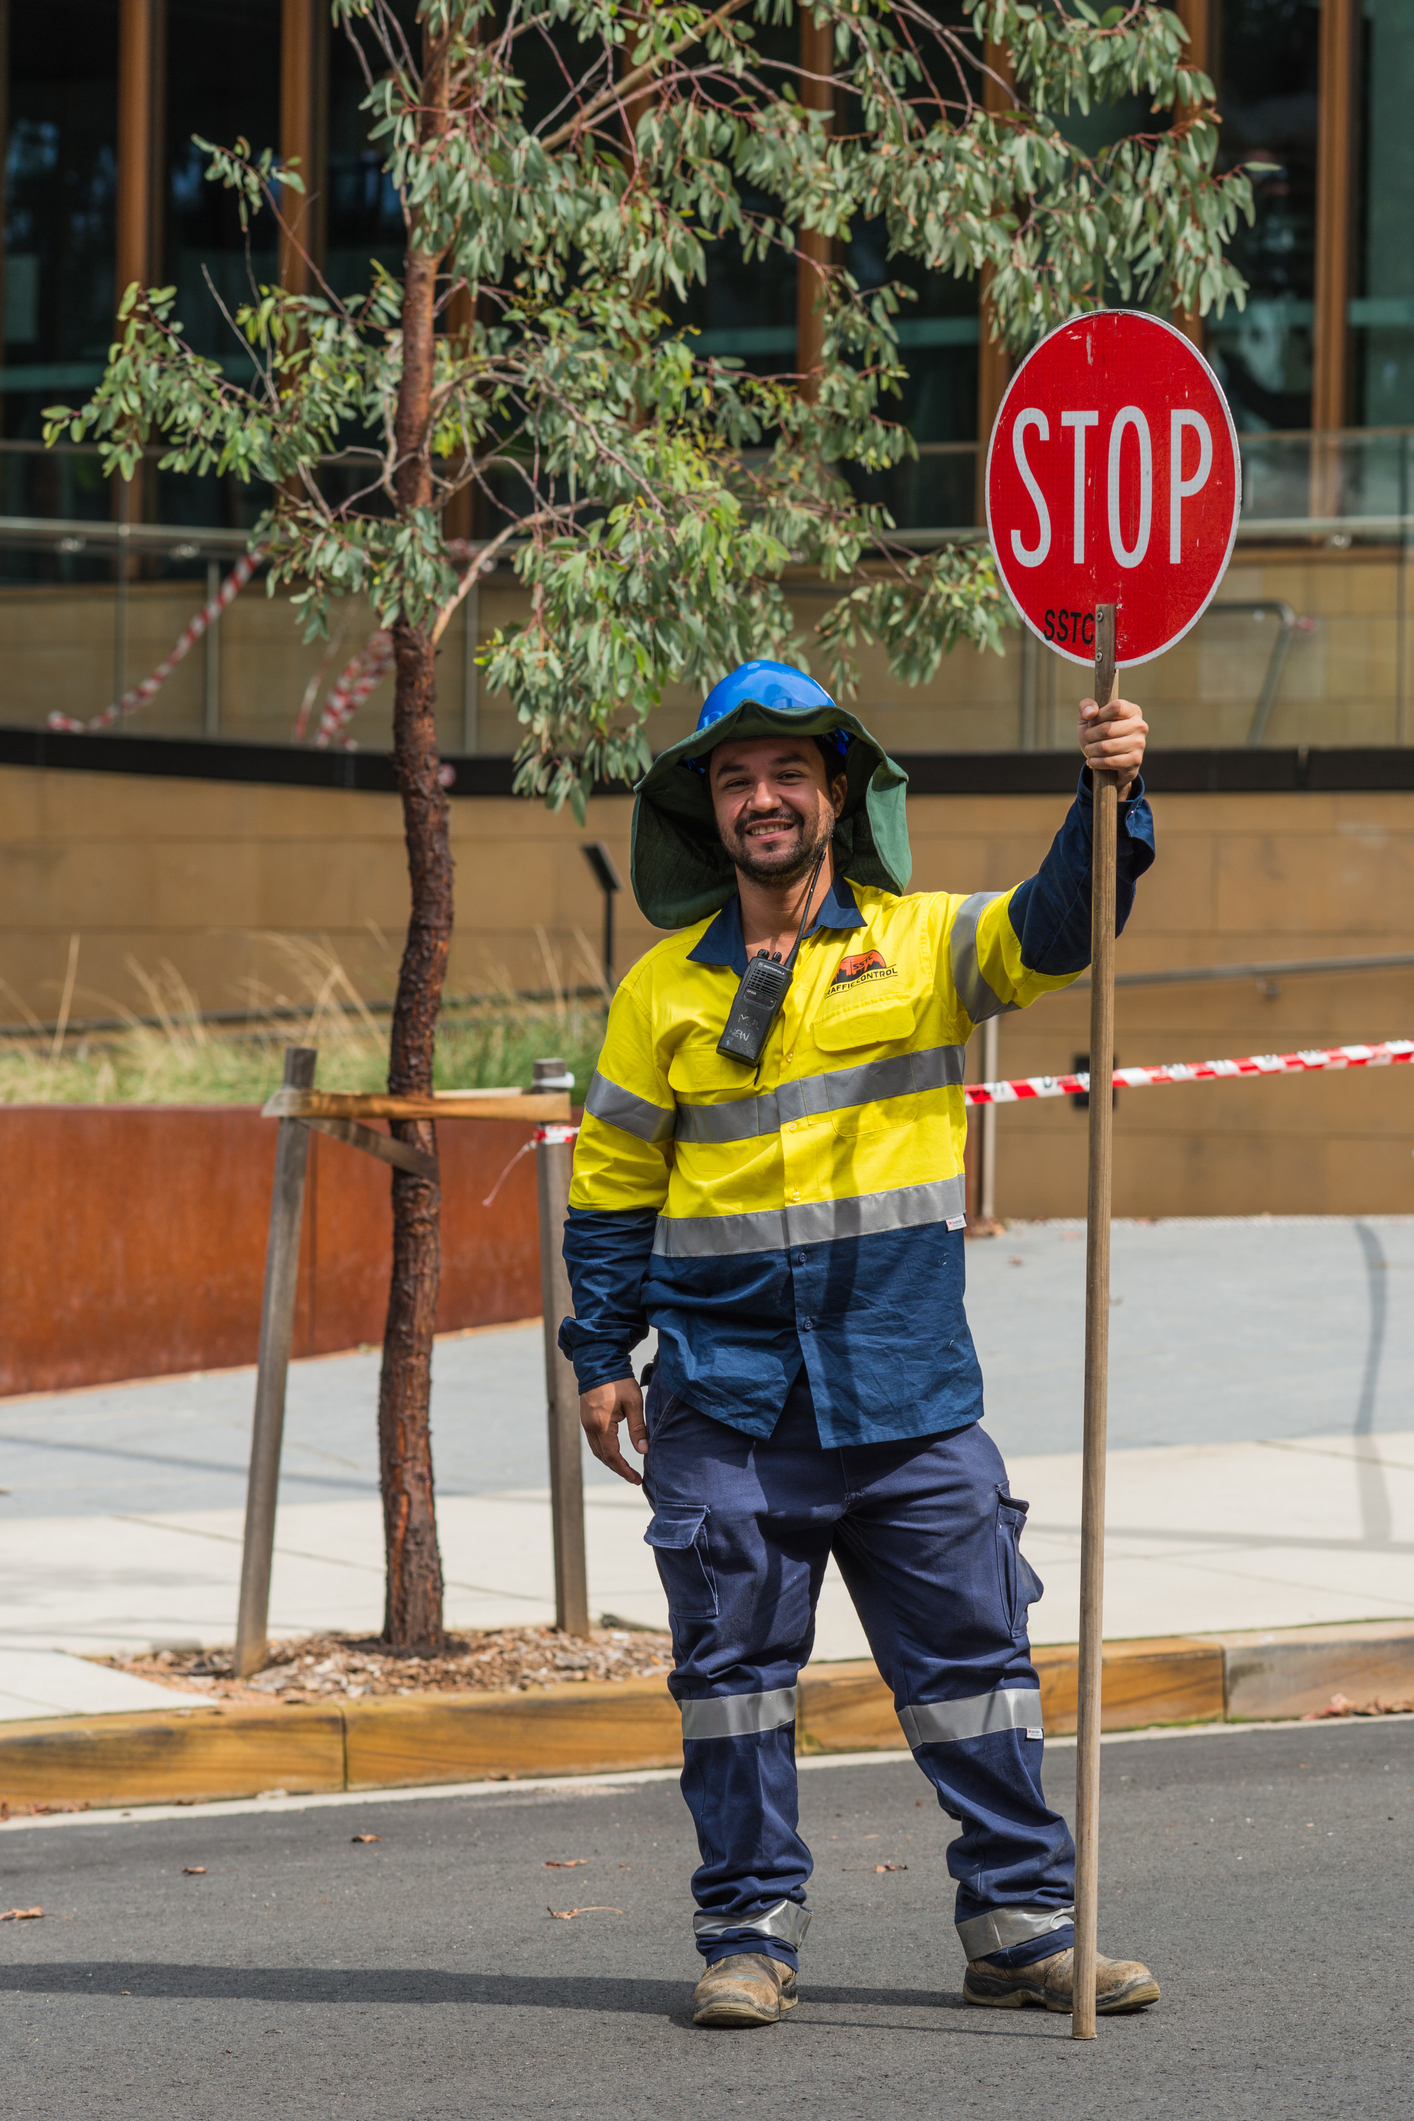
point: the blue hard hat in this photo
(768, 684)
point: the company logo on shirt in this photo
(865, 965)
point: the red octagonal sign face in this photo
(1113, 477)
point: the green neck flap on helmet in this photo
(680, 870)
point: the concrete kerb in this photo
(198, 1752)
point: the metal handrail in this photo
(1289, 625)
(1277, 968)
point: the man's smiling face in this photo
(775, 807)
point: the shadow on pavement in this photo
(431, 1985)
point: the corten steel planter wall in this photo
(133, 1240)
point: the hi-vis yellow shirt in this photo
(811, 1210)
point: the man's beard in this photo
(814, 835)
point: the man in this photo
(789, 1216)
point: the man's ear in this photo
(839, 789)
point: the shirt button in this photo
(795, 1193)
(800, 1259)
(806, 1324)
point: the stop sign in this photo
(1113, 477)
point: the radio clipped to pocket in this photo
(755, 1008)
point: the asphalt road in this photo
(1263, 1874)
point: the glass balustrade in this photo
(1308, 641)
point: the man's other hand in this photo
(1112, 739)
(601, 1411)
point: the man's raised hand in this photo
(1112, 738)
(600, 1411)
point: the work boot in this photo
(749, 1988)
(1120, 1984)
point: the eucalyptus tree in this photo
(566, 169)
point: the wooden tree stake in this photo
(277, 1326)
(1097, 1346)
(553, 1161)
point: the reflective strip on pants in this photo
(787, 1920)
(738, 1715)
(1002, 1927)
(944, 1722)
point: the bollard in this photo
(277, 1325)
(554, 1157)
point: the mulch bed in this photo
(358, 1667)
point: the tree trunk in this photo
(413, 1613)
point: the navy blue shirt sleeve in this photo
(607, 1254)
(1051, 910)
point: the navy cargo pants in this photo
(926, 1537)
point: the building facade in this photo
(103, 185)
(201, 828)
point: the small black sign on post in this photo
(610, 882)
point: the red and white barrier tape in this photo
(365, 670)
(230, 589)
(357, 679)
(1388, 1054)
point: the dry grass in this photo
(179, 1060)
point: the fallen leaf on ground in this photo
(564, 1863)
(193, 1870)
(1339, 1706)
(21, 1914)
(365, 1837)
(567, 1914)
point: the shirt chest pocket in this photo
(862, 1079)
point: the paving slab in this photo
(40, 1682)
(1261, 1472)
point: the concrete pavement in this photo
(1263, 1874)
(1261, 1473)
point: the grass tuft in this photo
(179, 1060)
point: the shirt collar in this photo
(724, 943)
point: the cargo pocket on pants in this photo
(678, 1535)
(1018, 1582)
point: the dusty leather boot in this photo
(1120, 1984)
(749, 1988)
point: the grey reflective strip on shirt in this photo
(787, 1920)
(620, 1108)
(815, 1222)
(978, 997)
(746, 1118)
(738, 1715)
(1002, 1927)
(1010, 1708)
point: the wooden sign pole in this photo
(1097, 1348)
